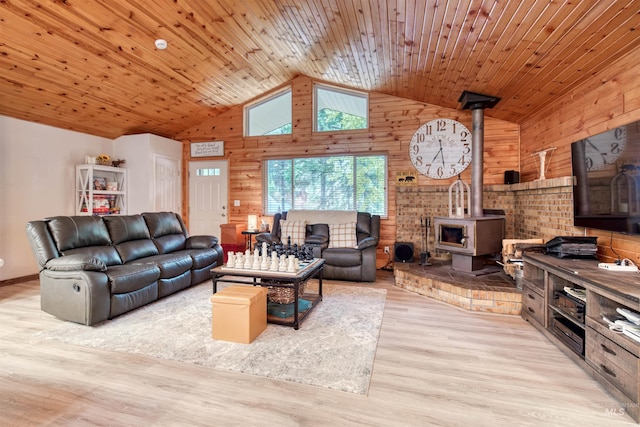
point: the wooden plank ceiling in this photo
(92, 66)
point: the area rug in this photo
(334, 347)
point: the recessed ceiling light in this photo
(161, 44)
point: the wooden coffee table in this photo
(279, 279)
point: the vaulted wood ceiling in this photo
(92, 66)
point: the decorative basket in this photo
(279, 295)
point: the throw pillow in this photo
(294, 229)
(343, 235)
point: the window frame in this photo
(207, 171)
(344, 91)
(246, 111)
(356, 156)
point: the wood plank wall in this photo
(608, 100)
(393, 121)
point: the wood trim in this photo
(22, 279)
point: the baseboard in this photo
(18, 280)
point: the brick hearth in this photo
(524, 205)
(490, 293)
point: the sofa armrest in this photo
(201, 242)
(76, 262)
(267, 237)
(78, 296)
(367, 242)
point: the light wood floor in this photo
(436, 365)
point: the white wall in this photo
(37, 179)
(139, 152)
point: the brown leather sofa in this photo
(95, 268)
(342, 263)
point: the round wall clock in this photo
(604, 148)
(441, 148)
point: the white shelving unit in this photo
(92, 195)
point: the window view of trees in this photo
(336, 120)
(323, 183)
(338, 109)
(282, 130)
(279, 178)
(371, 184)
(336, 182)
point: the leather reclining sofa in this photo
(357, 263)
(96, 268)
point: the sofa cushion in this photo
(201, 242)
(342, 257)
(294, 229)
(70, 232)
(121, 303)
(131, 277)
(136, 249)
(107, 254)
(202, 257)
(124, 228)
(131, 237)
(162, 223)
(321, 230)
(170, 243)
(364, 223)
(316, 240)
(170, 265)
(322, 216)
(75, 263)
(342, 235)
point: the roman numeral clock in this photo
(441, 148)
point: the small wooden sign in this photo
(407, 178)
(207, 149)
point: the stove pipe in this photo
(477, 162)
(477, 103)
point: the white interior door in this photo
(167, 184)
(208, 196)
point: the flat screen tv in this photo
(606, 167)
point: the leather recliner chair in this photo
(354, 264)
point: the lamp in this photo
(252, 223)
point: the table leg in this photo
(250, 242)
(214, 279)
(296, 287)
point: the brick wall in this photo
(536, 209)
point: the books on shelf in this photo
(632, 332)
(625, 321)
(581, 294)
(630, 315)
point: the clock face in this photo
(603, 149)
(441, 148)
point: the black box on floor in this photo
(403, 252)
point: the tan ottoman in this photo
(239, 313)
